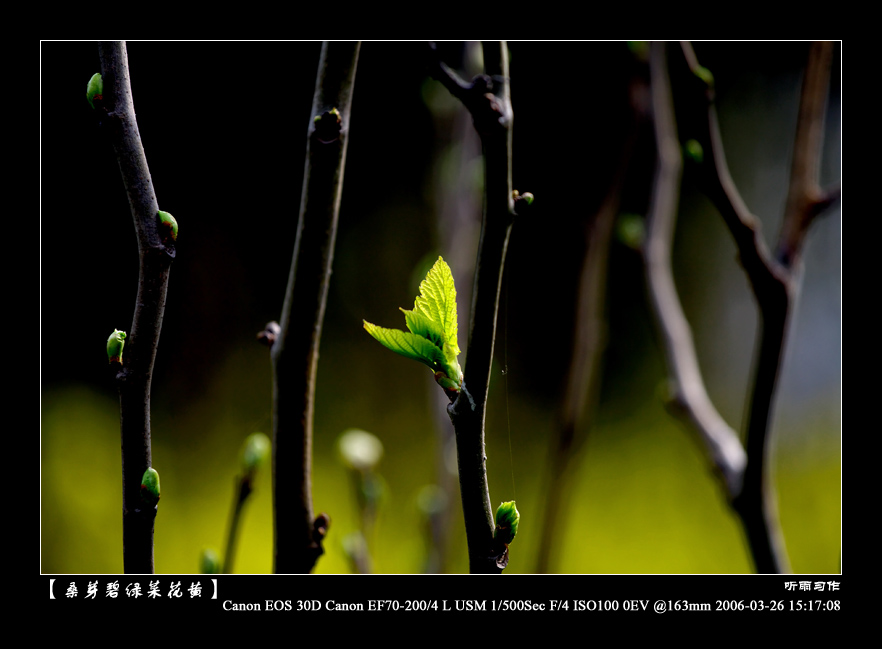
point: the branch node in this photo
(328, 126)
(269, 334)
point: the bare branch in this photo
(155, 257)
(296, 348)
(805, 199)
(688, 393)
(773, 282)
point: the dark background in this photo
(224, 127)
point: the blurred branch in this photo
(774, 281)
(459, 217)
(578, 407)
(134, 379)
(295, 349)
(805, 198)
(689, 396)
(241, 492)
(254, 455)
(487, 99)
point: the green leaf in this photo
(422, 326)
(408, 344)
(433, 329)
(437, 301)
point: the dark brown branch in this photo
(488, 100)
(296, 348)
(755, 503)
(140, 350)
(689, 397)
(774, 284)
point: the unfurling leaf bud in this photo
(168, 227)
(209, 562)
(95, 89)
(115, 345)
(150, 486)
(254, 453)
(507, 518)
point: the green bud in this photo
(209, 562)
(150, 486)
(526, 197)
(115, 345)
(694, 151)
(168, 227)
(95, 89)
(705, 75)
(631, 230)
(507, 518)
(255, 453)
(522, 202)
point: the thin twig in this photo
(135, 376)
(242, 491)
(805, 199)
(298, 534)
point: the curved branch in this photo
(774, 283)
(134, 378)
(689, 397)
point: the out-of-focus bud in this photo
(255, 453)
(360, 450)
(209, 562)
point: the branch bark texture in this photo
(298, 534)
(134, 378)
(487, 99)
